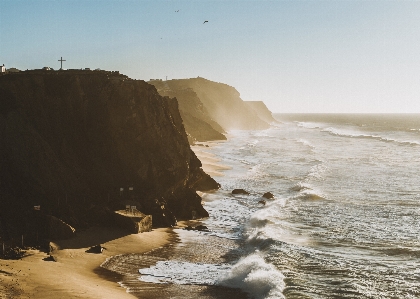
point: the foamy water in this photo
(344, 223)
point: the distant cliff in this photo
(221, 102)
(70, 140)
(262, 111)
(197, 121)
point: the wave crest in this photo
(299, 187)
(342, 133)
(253, 275)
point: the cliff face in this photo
(197, 121)
(222, 102)
(262, 111)
(70, 140)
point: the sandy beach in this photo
(75, 274)
(211, 163)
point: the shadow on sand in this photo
(91, 237)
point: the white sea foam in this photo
(179, 272)
(353, 134)
(253, 275)
(264, 133)
(317, 172)
(305, 143)
(310, 196)
(300, 186)
(309, 125)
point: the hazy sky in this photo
(296, 56)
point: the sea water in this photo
(344, 221)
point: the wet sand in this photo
(76, 274)
(211, 163)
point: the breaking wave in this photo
(344, 133)
(256, 277)
(178, 272)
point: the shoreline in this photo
(210, 162)
(78, 274)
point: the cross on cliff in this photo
(61, 62)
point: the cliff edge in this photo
(73, 140)
(262, 111)
(220, 103)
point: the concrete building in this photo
(2, 69)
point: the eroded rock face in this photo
(79, 137)
(221, 102)
(197, 121)
(262, 111)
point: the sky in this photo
(297, 56)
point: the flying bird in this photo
(177, 10)
(205, 22)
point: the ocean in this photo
(344, 221)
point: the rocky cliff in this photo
(71, 140)
(198, 124)
(262, 111)
(221, 102)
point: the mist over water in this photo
(344, 223)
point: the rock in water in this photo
(268, 195)
(240, 191)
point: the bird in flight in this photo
(205, 22)
(177, 10)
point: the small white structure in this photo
(2, 69)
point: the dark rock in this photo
(50, 258)
(134, 224)
(207, 183)
(58, 229)
(96, 249)
(163, 216)
(262, 202)
(201, 228)
(14, 253)
(72, 139)
(268, 195)
(197, 228)
(240, 191)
